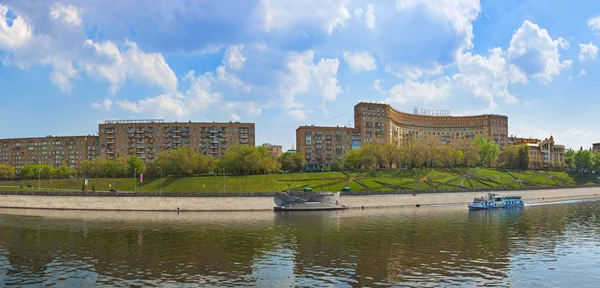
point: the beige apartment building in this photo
(596, 147)
(380, 123)
(324, 145)
(276, 150)
(145, 139)
(51, 150)
(545, 154)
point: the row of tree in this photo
(425, 153)
(582, 160)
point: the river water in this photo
(553, 245)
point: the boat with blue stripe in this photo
(492, 201)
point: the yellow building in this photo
(380, 123)
(545, 154)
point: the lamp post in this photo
(39, 178)
(223, 180)
(323, 185)
(161, 178)
(134, 180)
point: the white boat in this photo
(492, 201)
(308, 201)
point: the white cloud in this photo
(105, 105)
(160, 106)
(16, 35)
(234, 58)
(360, 61)
(377, 86)
(413, 72)
(249, 108)
(594, 24)
(302, 74)
(69, 14)
(570, 78)
(573, 137)
(297, 114)
(370, 16)
(487, 77)
(325, 14)
(587, 51)
(116, 66)
(63, 73)
(426, 92)
(325, 74)
(535, 52)
(563, 43)
(581, 72)
(199, 95)
(227, 77)
(459, 13)
(358, 13)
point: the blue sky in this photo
(66, 66)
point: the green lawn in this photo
(389, 180)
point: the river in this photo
(542, 245)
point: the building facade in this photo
(145, 139)
(324, 145)
(380, 123)
(545, 154)
(276, 150)
(51, 150)
(596, 147)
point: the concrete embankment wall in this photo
(249, 202)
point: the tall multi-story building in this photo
(380, 123)
(276, 150)
(323, 145)
(51, 150)
(145, 139)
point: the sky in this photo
(66, 66)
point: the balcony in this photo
(243, 135)
(138, 131)
(176, 140)
(110, 136)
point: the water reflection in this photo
(434, 246)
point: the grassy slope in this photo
(419, 179)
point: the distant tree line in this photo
(430, 152)
(583, 161)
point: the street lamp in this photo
(223, 180)
(39, 178)
(134, 180)
(161, 179)
(323, 185)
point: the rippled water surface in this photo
(537, 246)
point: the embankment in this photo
(263, 201)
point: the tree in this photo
(391, 153)
(7, 171)
(469, 150)
(412, 155)
(430, 148)
(488, 151)
(523, 157)
(63, 172)
(583, 160)
(351, 160)
(450, 156)
(370, 156)
(570, 159)
(35, 171)
(135, 165)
